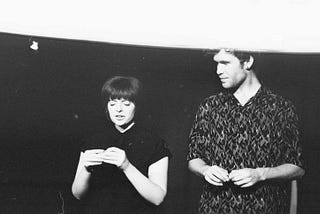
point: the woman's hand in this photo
(91, 157)
(115, 156)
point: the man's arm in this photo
(214, 175)
(283, 172)
(197, 166)
(247, 177)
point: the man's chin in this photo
(225, 86)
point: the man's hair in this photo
(120, 87)
(242, 55)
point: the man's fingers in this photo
(211, 181)
(242, 181)
(216, 175)
(237, 178)
(213, 177)
(237, 175)
(220, 173)
(247, 185)
(221, 176)
(233, 174)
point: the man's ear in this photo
(248, 64)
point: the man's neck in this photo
(247, 89)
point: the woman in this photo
(124, 168)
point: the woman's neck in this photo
(125, 127)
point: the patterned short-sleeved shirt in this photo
(262, 133)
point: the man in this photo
(245, 143)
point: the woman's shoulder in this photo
(155, 143)
(147, 133)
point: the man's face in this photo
(229, 69)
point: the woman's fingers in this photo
(92, 157)
(94, 151)
(116, 156)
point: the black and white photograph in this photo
(167, 107)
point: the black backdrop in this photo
(50, 100)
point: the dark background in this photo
(50, 100)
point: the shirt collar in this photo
(121, 130)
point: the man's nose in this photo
(219, 70)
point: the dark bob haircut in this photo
(121, 87)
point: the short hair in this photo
(120, 87)
(242, 55)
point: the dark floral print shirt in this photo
(262, 133)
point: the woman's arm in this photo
(80, 183)
(154, 187)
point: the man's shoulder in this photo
(216, 98)
(276, 99)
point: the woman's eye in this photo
(112, 103)
(126, 103)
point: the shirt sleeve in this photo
(161, 150)
(291, 151)
(197, 137)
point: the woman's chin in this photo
(119, 124)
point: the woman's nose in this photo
(119, 107)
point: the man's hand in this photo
(215, 175)
(246, 177)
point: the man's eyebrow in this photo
(223, 62)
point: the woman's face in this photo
(121, 111)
